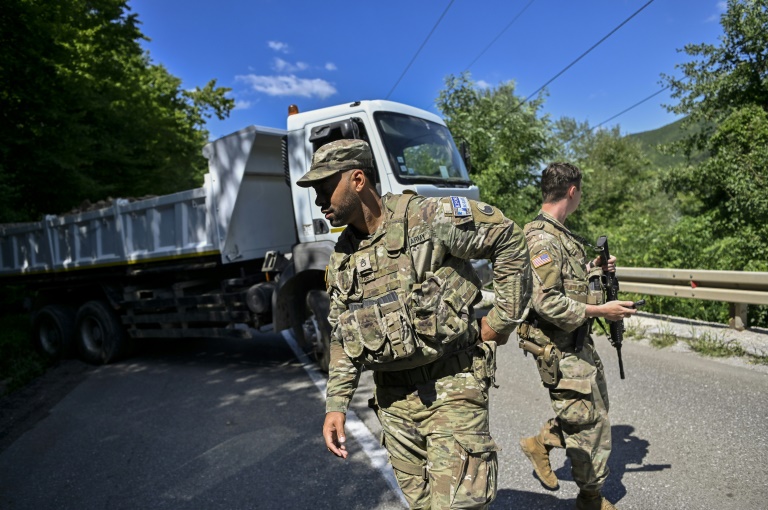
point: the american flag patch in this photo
(541, 259)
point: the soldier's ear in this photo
(357, 179)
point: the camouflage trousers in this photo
(582, 427)
(438, 440)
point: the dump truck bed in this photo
(242, 211)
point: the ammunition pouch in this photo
(379, 332)
(396, 331)
(589, 291)
(596, 292)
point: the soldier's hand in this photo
(488, 334)
(333, 432)
(615, 310)
(608, 267)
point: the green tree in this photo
(86, 114)
(509, 141)
(724, 77)
(724, 91)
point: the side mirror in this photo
(465, 154)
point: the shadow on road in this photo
(626, 456)
(188, 424)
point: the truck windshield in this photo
(419, 150)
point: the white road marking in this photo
(354, 425)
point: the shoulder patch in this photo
(541, 259)
(484, 208)
(460, 207)
(486, 213)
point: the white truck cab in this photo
(412, 150)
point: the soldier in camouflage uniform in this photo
(402, 295)
(562, 304)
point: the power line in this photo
(586, 52)
(592, 128)
(631, 107)
(420, 48)
(499, 34)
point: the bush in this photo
(19, 363)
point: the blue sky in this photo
(273, 53)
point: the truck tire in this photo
(318, 328)
(53, 331)
(100, 336)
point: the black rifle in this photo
(612, 294)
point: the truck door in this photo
(355, 126)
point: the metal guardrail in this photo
(738, 288)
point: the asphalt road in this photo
(236, 425)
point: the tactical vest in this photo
(394, 322)
(583, 287)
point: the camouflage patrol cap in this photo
(335, 157)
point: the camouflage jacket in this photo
(560, 281)
(441, 235)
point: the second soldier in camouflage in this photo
(562, 305)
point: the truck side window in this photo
(352, 128)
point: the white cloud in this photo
(278, 46)
(289, 85)
(721, 8)
(282, 66)
(482, 84)
(242, 105)
(330, 66)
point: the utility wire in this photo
(500, 34)
(420, 48)
(631, 107)
(592, 128)
(586, 52)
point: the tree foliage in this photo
(86, 114)
(721, 78)
(725, 90)
(509, 141)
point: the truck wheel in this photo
(100, 337)
(316, 327)
(53, 331)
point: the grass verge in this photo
(19, 363)
(706, 344)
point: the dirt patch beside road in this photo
(22, 409)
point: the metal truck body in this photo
(247, 249)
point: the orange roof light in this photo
(293, 109)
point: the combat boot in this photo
(538, 454)
(592, 500)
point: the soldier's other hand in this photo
(609, 267)
(616, 310)
(333, 432)
(488, 334)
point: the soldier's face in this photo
(336, 199)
